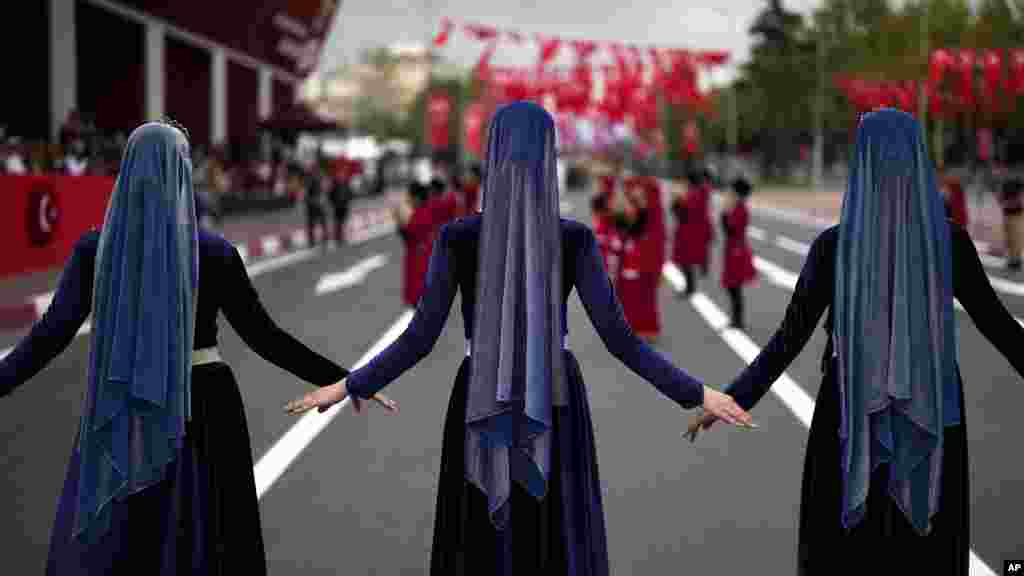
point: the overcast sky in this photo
(693, 24)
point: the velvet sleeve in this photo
(51, 335)
(974, 291)
(605, 312)
(246, 314)
(424, 329)
(812, 296)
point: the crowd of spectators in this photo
(82, 149)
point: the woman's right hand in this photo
(724, 407)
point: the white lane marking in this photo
(243, 251)
(792, 395)
(271, 245)
(1006, 286)
(371, 233)
(755, 233)
(992, 261)
(794, 216)
(977, 567)
(42, 302)
(271, 264)
(792, 245)
(775, 273)
(5, 352)
(355, 274)
(276, 461)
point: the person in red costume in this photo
(694, 232)
(738, 261)
(415, 218)
(955, 200)
(609, 238)
(468, 193)
(641, 224)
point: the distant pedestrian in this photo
(738, 261)
(1013, 221)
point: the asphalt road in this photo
(359, 499)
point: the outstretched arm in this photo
(246, 314)
(605, 312)
(419, 337)
(71, 305)
(973, 289)
(813, 294)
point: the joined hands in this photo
(718, 406)
(324, 398)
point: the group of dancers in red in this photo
(628, 220)
(424, 208)
(629, 223)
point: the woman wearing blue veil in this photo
(887, 452)
(519, 491)
(160, 480)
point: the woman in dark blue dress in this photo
(887, 452)
(160, 479)
(519, 490)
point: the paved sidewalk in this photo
(24, 298)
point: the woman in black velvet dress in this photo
(200, 513)
(887, 275)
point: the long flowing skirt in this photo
(203, 519)
(822, 545)
(563, 534)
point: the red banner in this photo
(446, 30)
(439, 108)
(473, 124)
(44, 216)
(965, 88)
(1017, 70)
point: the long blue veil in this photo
(894, 327)
(144, 297)
(516, 359)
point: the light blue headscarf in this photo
(894, 325)
(516, 360)
(144, 298)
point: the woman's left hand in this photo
(321, 398)
(324, 398)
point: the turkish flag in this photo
(1017, 70)
(965, 62)
(481, 33)
(548, 49)
(442, 37)
(474, 127)
(439, 108)
(992, 65)
(940, 61)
